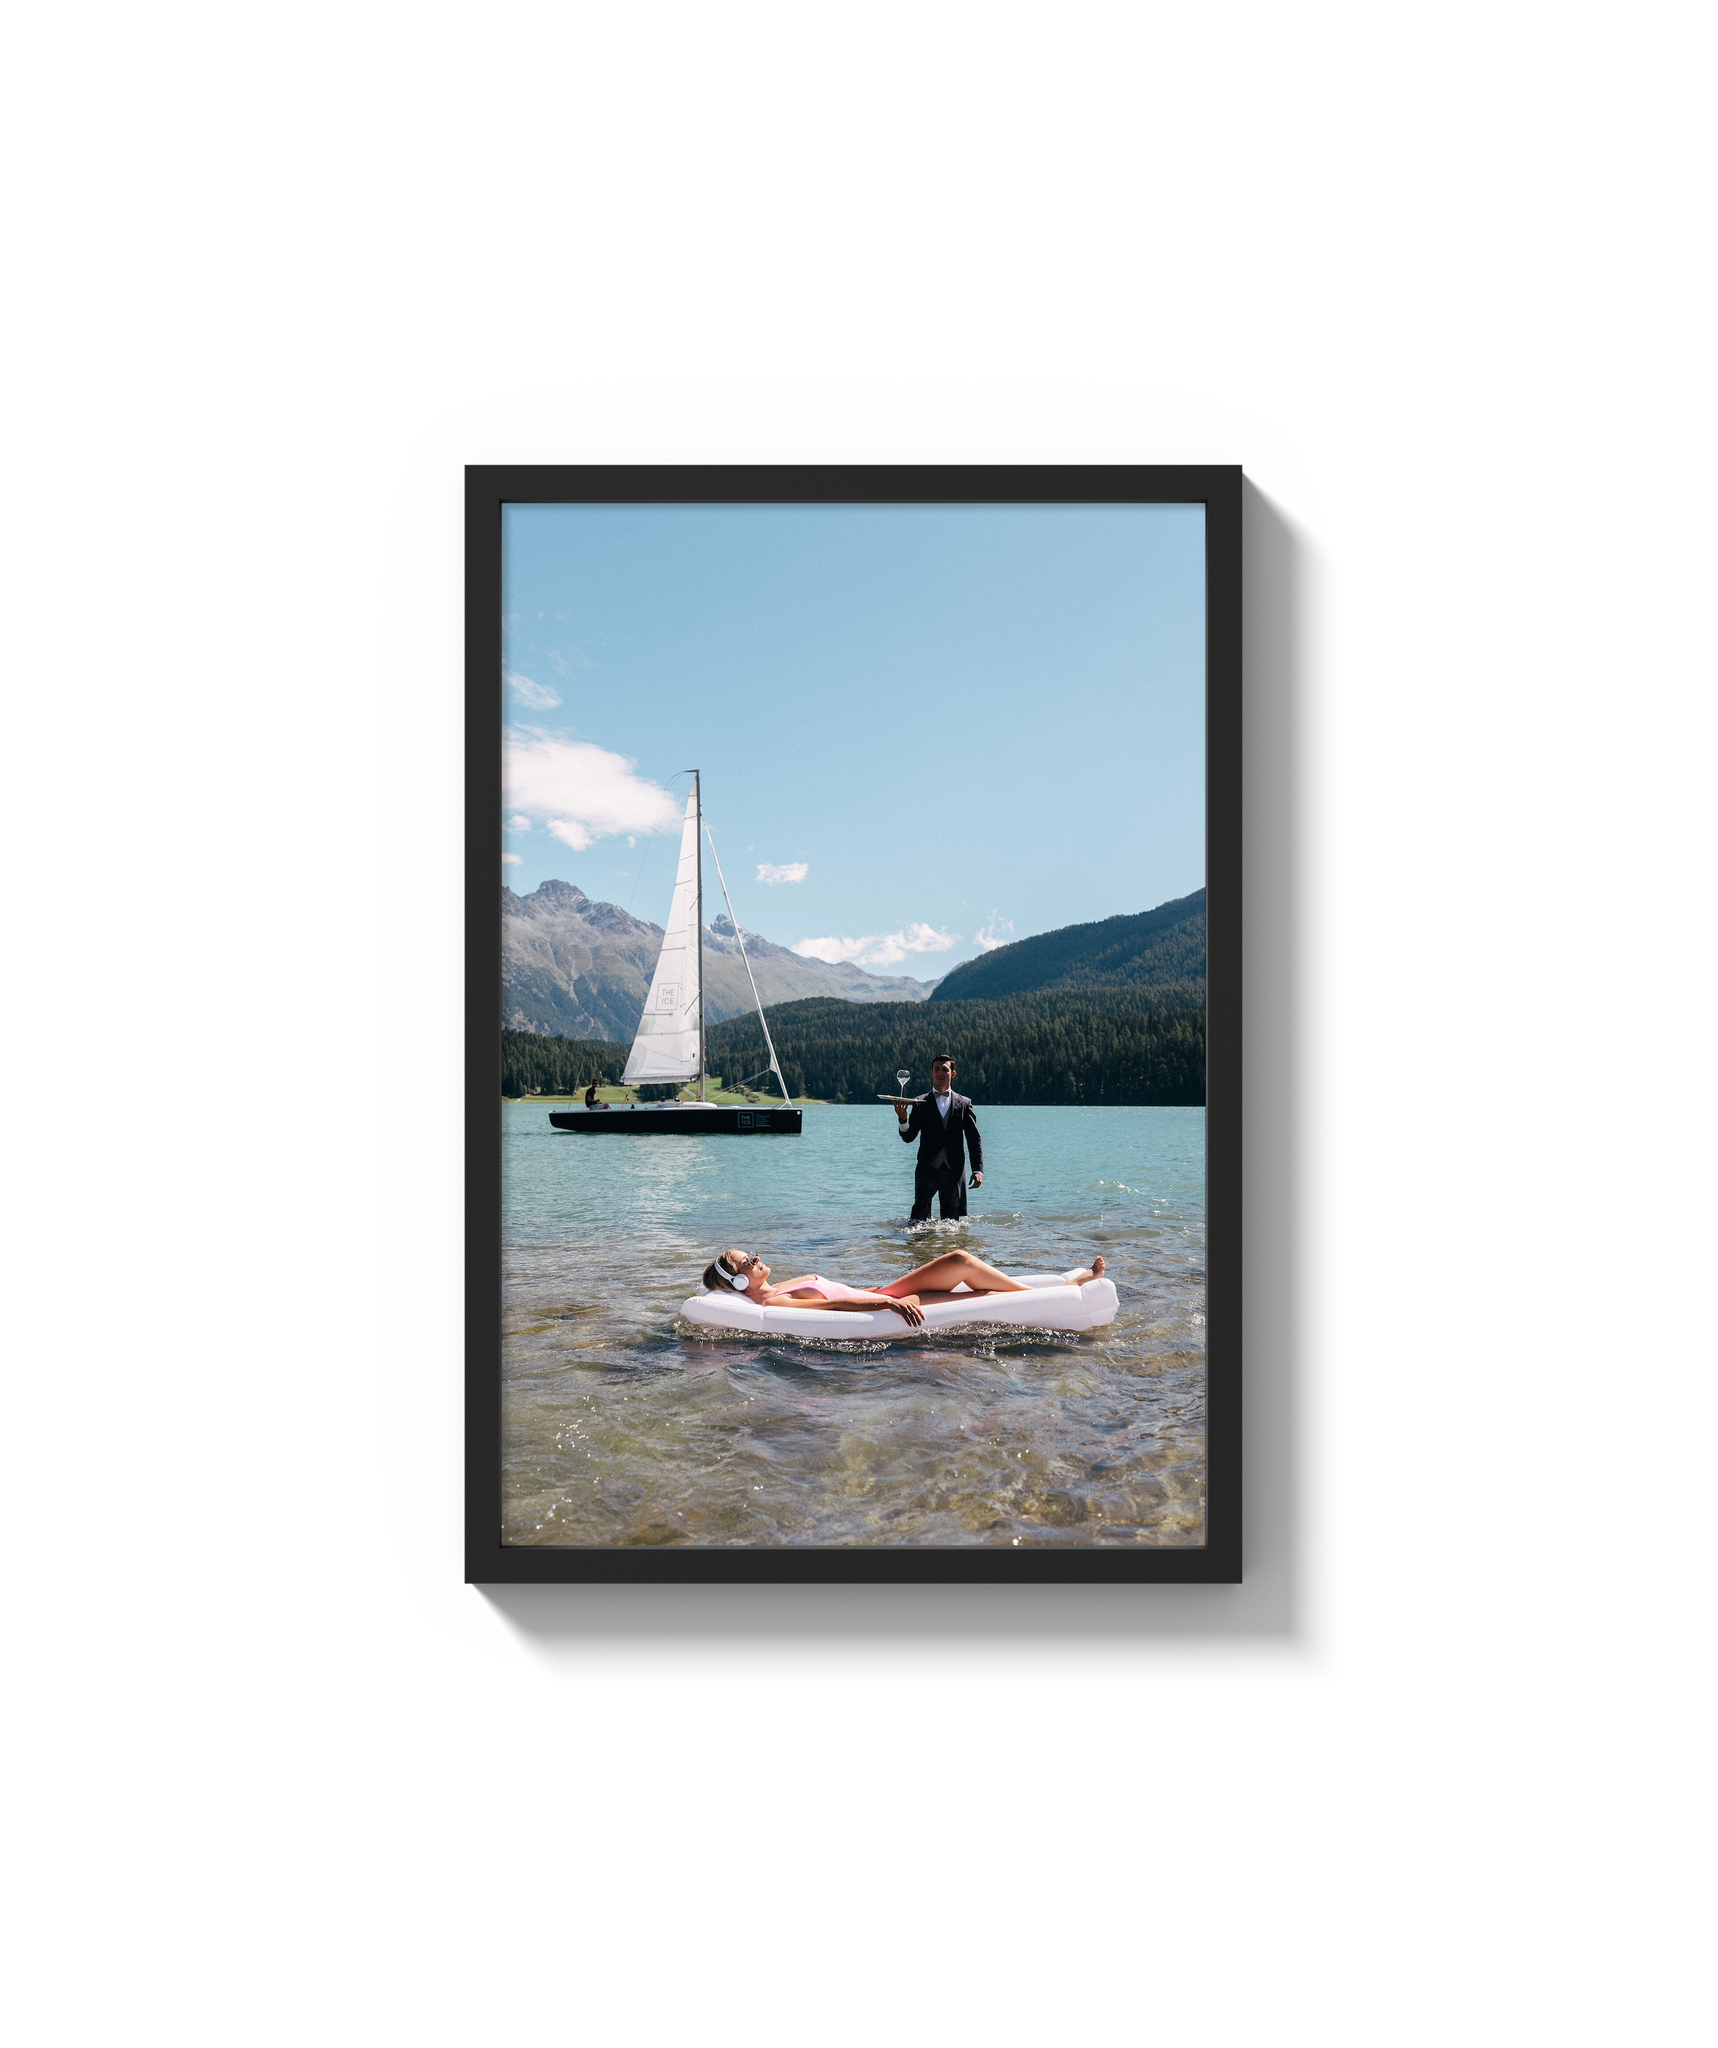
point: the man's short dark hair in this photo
(949, 1056)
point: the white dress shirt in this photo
(942, 1102)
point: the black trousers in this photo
(950, 1189)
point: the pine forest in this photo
(1093, 1045)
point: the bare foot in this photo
(1092, 1272)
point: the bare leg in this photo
(941, 1275)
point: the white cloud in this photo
(878, 950)
(581, 792)
(998, 931)
(793, 871)
(519, 824)
(511, 860)
(924, 938)
(538, 695)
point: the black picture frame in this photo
(487, 490)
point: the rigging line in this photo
(735, 922)
(653, 856)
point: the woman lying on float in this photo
(908, 1297)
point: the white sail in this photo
(669, 1045)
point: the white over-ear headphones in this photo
(740, 1281)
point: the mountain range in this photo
(582, 969)
(1154, 952)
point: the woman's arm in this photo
(905, 1305)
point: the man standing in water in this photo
(945, 1126)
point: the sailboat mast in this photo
(698, 798)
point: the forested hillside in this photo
(532, 1062)
(1056, 1046)
(1092, 1046)
(1159, 954)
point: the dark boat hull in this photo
(681, 1119)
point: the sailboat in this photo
(670, 1041)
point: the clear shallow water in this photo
(623, 1423)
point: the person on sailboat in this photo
(748, 1275)
(591, 1096)
(945, 1127)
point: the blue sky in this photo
(923, 730)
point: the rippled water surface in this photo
(623, 1423)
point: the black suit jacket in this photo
(952, 1139)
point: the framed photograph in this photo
(856, 1194)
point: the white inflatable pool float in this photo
(1052, 1304)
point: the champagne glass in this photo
(902, 1076)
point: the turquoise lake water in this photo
(623, 1423)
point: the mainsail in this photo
(670, 1041)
